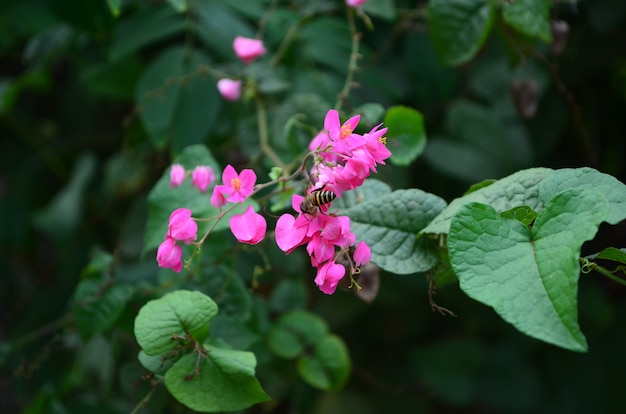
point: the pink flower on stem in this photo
(181, 226)
(237, 186)
(201, 177)
(177, 175)
(169, 255)
(355, 3)
(328, 276)
(229, 89)
(290, 232)
(248, 49)
(217, 198)
(341, 134)
(362, 254)
(248, 227)
(343, 161)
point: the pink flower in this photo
(248, 49)
(355, 3)
(362, 254)
(177, 175)
(201, 177)
(181, 226)
(341, 134)
(229, 89)
(217, 198)
(376, 145)
(248, 227)
(169, 255)
(237, 186)
(290, 232)
(328, 276)
(337, 231)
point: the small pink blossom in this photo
(320, 250)
(181, 226)
(341, 134)
(355, 3)
(248, 227)
(290, 232)
(362, 254)
(237, 186)
(328, 276)
(217, 198)
(248, 49)
(169, 255)
(201, 177)
(229, 89)
(177, 175)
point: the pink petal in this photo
(249, 227)
(228, 175)
(288, 234)
(332, 124)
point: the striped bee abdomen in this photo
(316, 198)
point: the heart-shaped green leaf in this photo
(328, 367)
(529, 276)
(390, 225)
(225, 381)
(176, 313)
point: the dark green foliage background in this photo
(77, 164)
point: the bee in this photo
(315, 199)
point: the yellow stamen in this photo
(383, 140)
(346, 131)
(235, 183)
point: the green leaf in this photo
(328, 368)
(529, 17)
(523, 214)
(459, 28)
(162, 200)
(587, 178)
(233, 331)
(371, 113)
(176, 313)
(390, 225)
(98, 304)
(296, 332)
(515, 190)
(158, 364)
(143, 28)
(477, 145)
(406, 137)
(179, 5)
(611, 253)
(114, 6)
(225, 381)
(177, 99)
(529, 276)
(63, 214)
(327, 40)
(218, 25)
(384, 9)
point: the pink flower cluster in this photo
(183, 228)
(345, 160)
(249, 227)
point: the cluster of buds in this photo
(343, 161)
(247, 50)
(249, 227)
